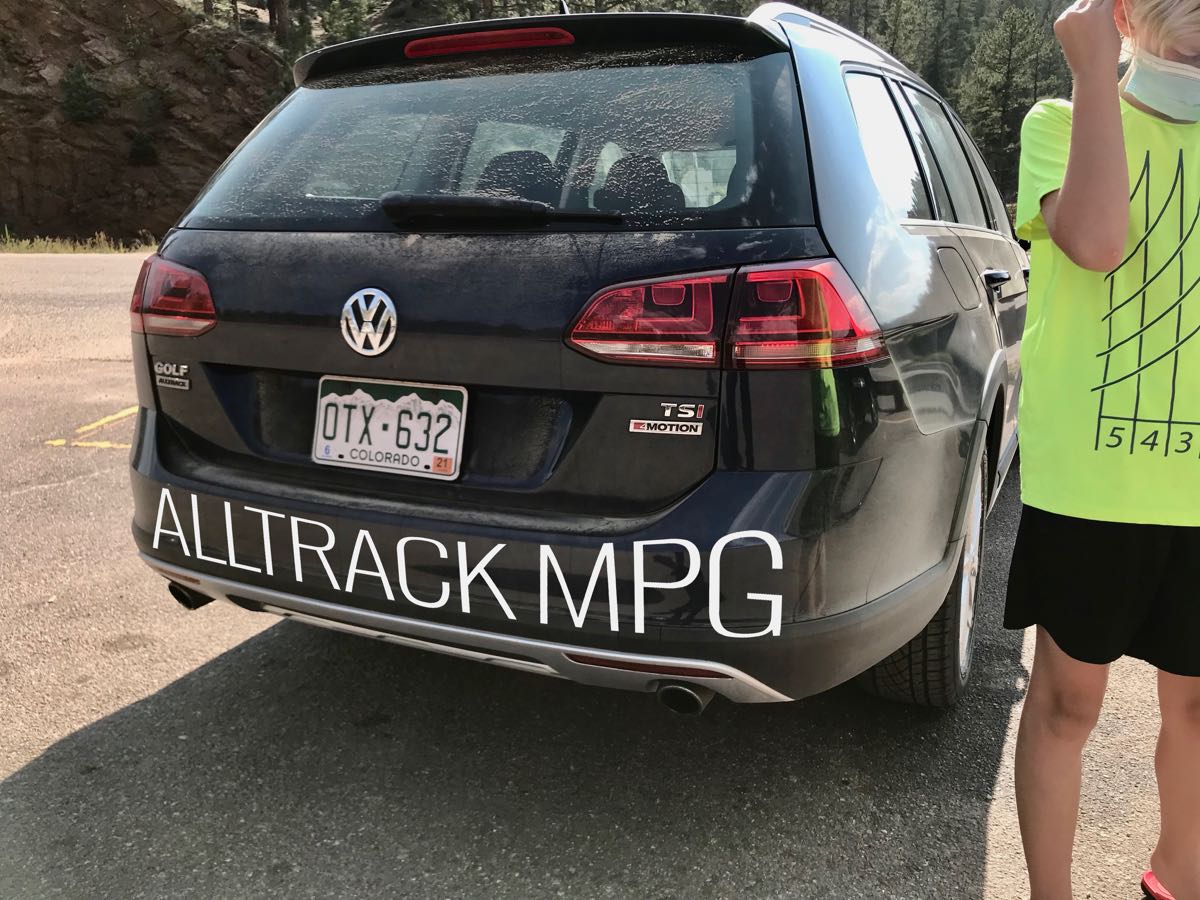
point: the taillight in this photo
(800, 315)
(666, 320)
(135, 308)
(483, 41)
(171, 299)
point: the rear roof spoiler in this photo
(589, 29)
(785, 12)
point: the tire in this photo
(934, 668)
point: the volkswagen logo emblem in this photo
(369, 321)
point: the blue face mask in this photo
(1171, 88)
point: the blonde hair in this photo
(1159, 24)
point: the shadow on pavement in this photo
(311, 764)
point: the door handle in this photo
(994, 279)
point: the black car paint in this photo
(866, 502)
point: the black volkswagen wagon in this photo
(674, 353)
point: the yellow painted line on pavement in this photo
(84, 430)
(97, 445)
(107, 420)
(101, 445)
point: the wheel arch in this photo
(995, 437)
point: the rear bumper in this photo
(510, 591)
(806, 658)
(508, 651)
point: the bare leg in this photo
(1061, 709)
(1176, 862)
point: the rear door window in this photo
(991, 193)
(885, 142)
(678, 138)
(943, 208)
(952, 159)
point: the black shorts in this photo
(1109, 589)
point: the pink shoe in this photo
(1154, 889)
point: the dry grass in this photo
(97, 243)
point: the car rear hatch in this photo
(556, 219)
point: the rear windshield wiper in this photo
(405, 209)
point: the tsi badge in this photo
(678, 418)
(172, 375)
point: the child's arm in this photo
(1089, 216)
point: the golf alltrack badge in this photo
(172, 375)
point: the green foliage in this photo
(151, 109)
(134, 34)
(142, 149)
(81, 102)
(97, 243)
(151, 106)
(215, 61)
(345, 20)
(299, 42)
(1016, 61)
(929, 35)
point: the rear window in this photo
(674, 139)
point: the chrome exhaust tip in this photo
(188, 598)
(685, 699)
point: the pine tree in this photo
(81, 101)
(345, 20)
(1015, 62)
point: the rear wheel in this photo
(933, 668)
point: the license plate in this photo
(390, 426)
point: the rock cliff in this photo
(113, 113)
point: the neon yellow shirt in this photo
(1110, 401)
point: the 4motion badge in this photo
(677, 418)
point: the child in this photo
(1107, 560)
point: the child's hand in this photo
(1088, 33)
(1088, 217)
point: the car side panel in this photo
(941, 351)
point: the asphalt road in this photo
(150, 752)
